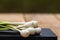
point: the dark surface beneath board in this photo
(46, 34)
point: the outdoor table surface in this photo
(51, 21)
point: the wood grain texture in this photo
(46, 21)
(57, 16)
(12, 17)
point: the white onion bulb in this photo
(24, 33)
(34, 23)
(37, 30)
(31, 30)
(29, 24)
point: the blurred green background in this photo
(41, 6)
